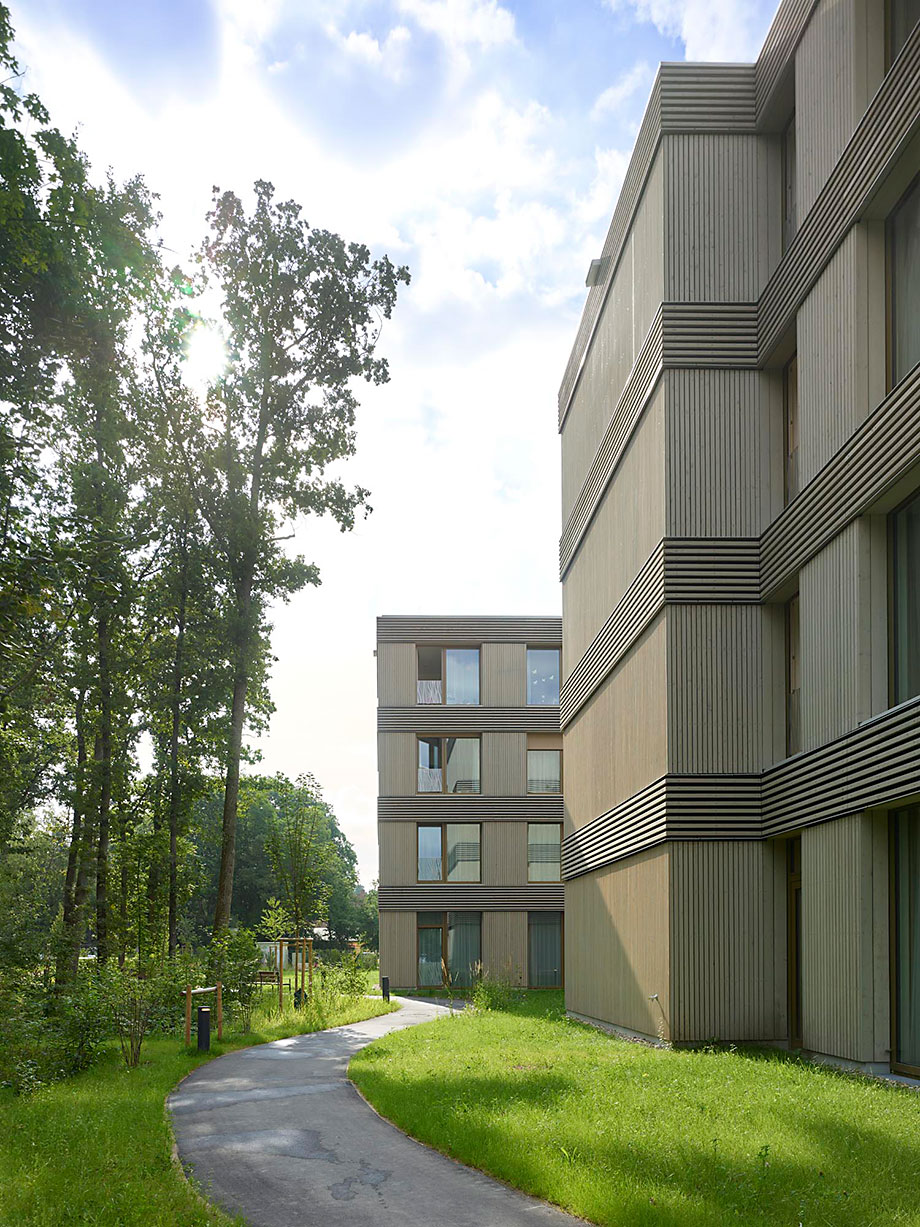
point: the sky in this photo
(481, 142)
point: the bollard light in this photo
(204, 1028)
(385, 987)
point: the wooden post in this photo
(188, 1015)
(220, 1010)
(280, 974)
(310, 946)
(303, 966)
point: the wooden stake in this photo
(310, 946)
(188, 1015)
(220, 1010)
(280, 974)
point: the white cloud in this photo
(636, 79)
(483, 23)
(711, 30)
(389, 56)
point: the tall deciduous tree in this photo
(302, 312)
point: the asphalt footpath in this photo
(279, 1135)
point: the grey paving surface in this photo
(278, 1134)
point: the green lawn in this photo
(627, 1134)
(95, 1149)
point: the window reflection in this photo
(543, 676)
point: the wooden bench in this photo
(267, 977)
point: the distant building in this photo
(470, 806)
(740, 553)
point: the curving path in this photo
(278, 1134)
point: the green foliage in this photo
(275, 921)
(135, 1004)
(46, 1036)
(495, 992)
(236, 961)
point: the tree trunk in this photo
(153, 874)
(242, 649)
(72, 915)
(178, 680)
(104, 766)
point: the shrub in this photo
(494, 992)
(45, 1036)
(240, 979)
(135, 1004)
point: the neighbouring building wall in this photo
(632, 302)
(616, 944)
(723, 941)
(618, 742)
(628, 525)
(845, 999)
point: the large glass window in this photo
(904, 287)
(448, 675)
(544, 949)
(907, 939)
(430, 758)
(430, 861)
(430, 949)
(464, 947)
(544, 842)
(543, 676)
(905, 557)
(448, 764)
(903, 15)
(544, 770)
(449, 852)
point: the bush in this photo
(46, 1036)
(137, 1004)
(492, 992)
(240, 965)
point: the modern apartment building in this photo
(740, 422)
(470, 805)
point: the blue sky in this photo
(481, 142)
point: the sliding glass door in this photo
(451, 941)
(907, 940)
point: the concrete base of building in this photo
(625, 1033)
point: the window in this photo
(793, 678)
(544, 841)
(905, 590)
(904, 284)
(544, 949)
(903, 15)
(451, 943)
(448, 764)
(543, 676)
(449, 852)
(791, 427)
(448, 675)
(790, 218)
(544, 770)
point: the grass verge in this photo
(623, 1133)
(96, 1148)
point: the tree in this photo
(302, 313)
(301, 853)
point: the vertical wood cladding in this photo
(396, 674)
(719, 189)
(504, 945)
(838, 65)
(397, 764)
(627, 526)
(722, 936)
(723, 430)
(616, 944)
(716, 689)
(504, 674)
(833, 347)
(504, 764)
(398, 846)
(504, 853)
(617, 744)
(398, 948)
(628, 313)
(844, 933)
(834, 607)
